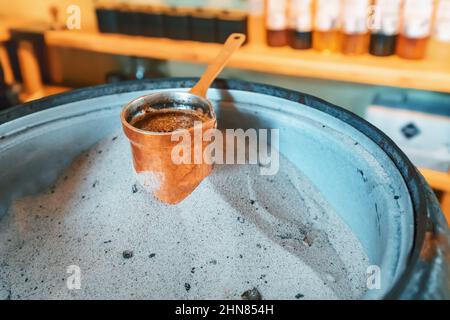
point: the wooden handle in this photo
(234, 42)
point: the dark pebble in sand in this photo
(252, 294)
(152, 255)
(187, 286)
(127, 254)
(252, 202)
(299, 296)
(134, 188)
(308, 241)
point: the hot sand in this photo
(238, 230)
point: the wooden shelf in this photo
(8, 23)
(425, 74)
(4, 33)
(47, 90)
(440, 181)
(436, 179)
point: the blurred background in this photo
(386, 60)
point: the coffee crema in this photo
(168, 120)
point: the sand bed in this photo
(239, 230)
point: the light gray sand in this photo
(237, 231)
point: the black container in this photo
(152, 22)
(382, 45)
(300, 40)
(129, 21)
(107, 19)
(204, 25)
(229, 22)
(177, 23)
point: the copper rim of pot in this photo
(163, 101)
